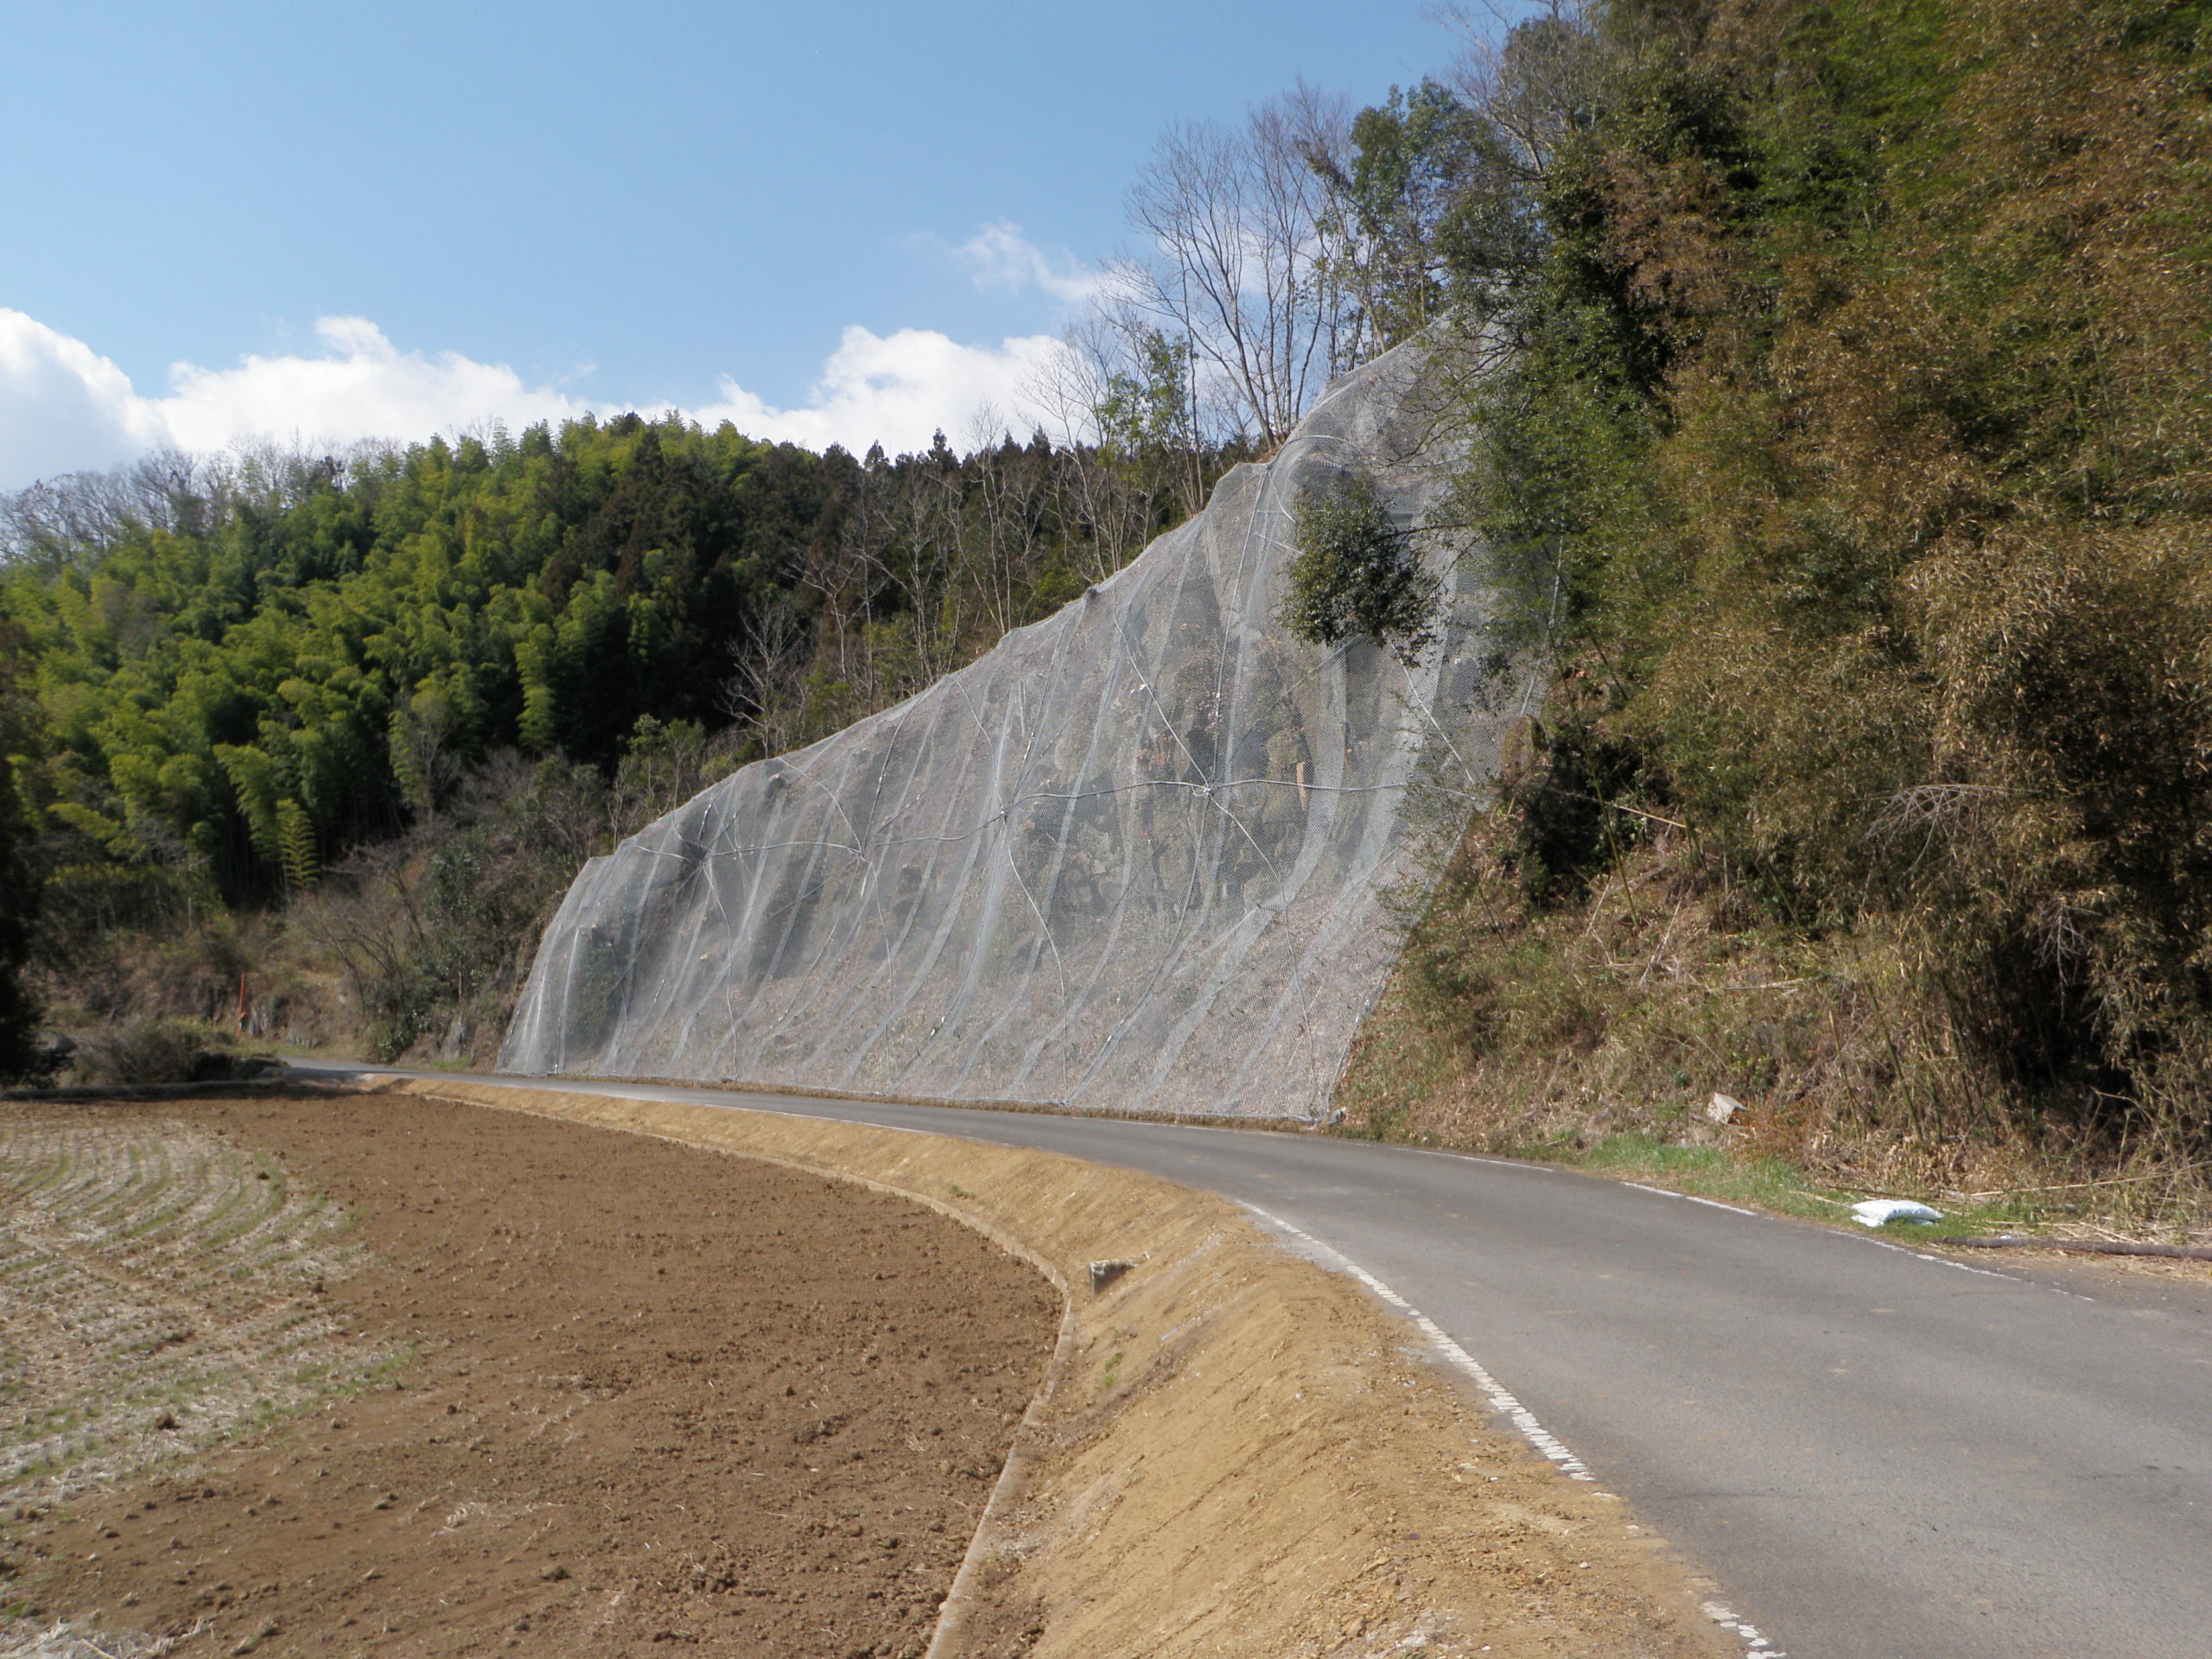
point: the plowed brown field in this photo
(584, 1391)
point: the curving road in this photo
(1876, 1453)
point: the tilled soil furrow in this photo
(657, 1396)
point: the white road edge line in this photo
(1939, 1261)
(1691, 1197)
(1754, 1643)
(1522, 1418)
(1756, 1646)
(1495, 1163)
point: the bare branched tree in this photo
(80, 512)
(77, 516)
(1118, 405)
(1234, 262)
(761, 696)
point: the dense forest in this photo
(1840, 406)
(297, 694)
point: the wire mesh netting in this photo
(1131, 859)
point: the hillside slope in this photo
(1853, 467)
(1129, 859)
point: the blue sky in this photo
(681, 204)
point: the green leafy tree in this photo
(1356, 575)
(1411, 165)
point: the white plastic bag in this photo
(1876, 1212)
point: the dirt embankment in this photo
(607, 1394)
(1240, 1454)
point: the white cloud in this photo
(362, 386)
(999, 256)
(63, 408)
(897, 390)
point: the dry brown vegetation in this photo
(1601, 1028)
(161, 1291)
(1856, 480)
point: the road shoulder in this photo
(1239, 1452)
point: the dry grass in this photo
(1596, 1030)
(24, 1638)
(159, 1295)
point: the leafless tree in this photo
(78, 515)
(1233, 260)
(761, 695)
(1535, 78)
(1116, 400)
(59, 517)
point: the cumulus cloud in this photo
(64, 407)
(361, 386)
(1000, 255)
(899, 389)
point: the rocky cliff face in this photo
(1128, 860)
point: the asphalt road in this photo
(1876, 1454)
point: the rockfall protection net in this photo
(1131, 859)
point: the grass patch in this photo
(1763, 1182)
(1776, 1186)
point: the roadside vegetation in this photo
(1845, 451)
(1840, 423)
